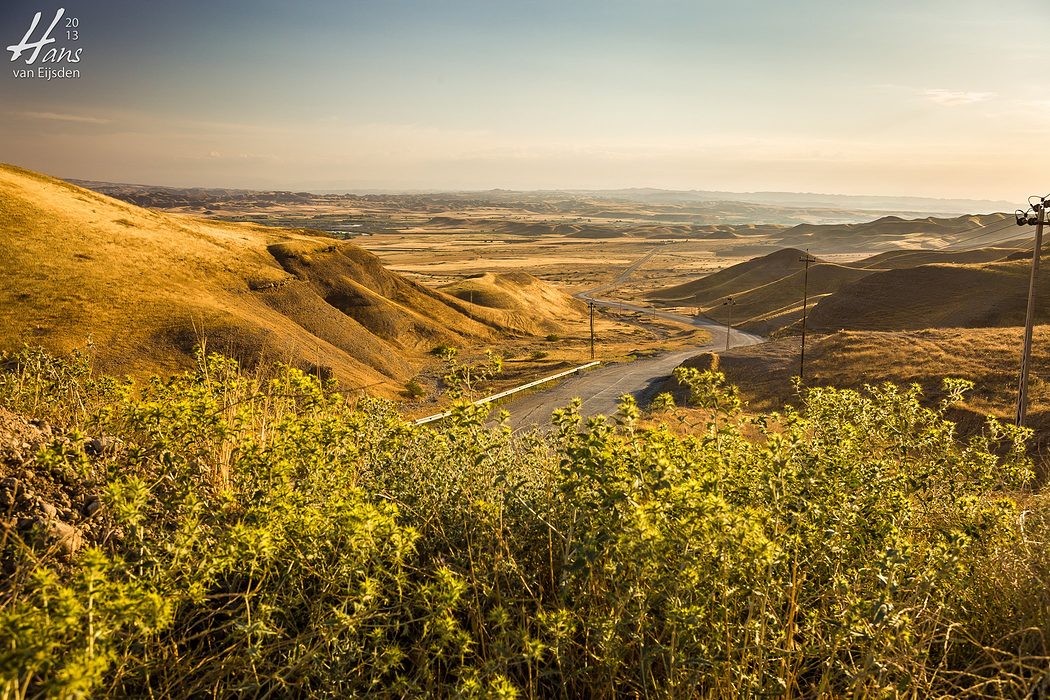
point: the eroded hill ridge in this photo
(141, 288)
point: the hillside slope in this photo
(518, 301)
(767, 291)
(933, 296)
(142, 287)
(893, 232)
(732, 280)
(893, 259)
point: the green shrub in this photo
(414, 390)
(443, 351)
(662, 403)
(269, 536)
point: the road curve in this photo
(600, 389)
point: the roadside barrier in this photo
(509, 392)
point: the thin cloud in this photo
(956, 98)
(58, 117)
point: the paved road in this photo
(601, 388)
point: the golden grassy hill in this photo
(767, 291)
(989, 357)
(144, 286)
(895, 259)
(732, 280)
(517, 301)
(933, 296)
(891, 231)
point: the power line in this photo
(954, 245)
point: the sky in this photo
(890, 97)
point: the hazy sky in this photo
(916, 97)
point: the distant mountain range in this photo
(904, 206)
(923, 205)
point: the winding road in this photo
(600, 389)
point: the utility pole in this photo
(590, 305)
(807, 259)
(1023, 219)
(729, 315)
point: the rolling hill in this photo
(933, 296)
(517, 300)
(732, 280)
(767, 291)
(895, 259)
(890, 232)
(892, 290)
(141, 288)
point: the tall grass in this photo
(269, 537)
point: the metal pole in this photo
(1026, 354)
(590, 304)
(729, 316)
(805, 302)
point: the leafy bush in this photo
(272, 536)
(443, 350)
(414, 390)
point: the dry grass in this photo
(988, 357)
(889, 232)
(143, 287)
(767, 291)
(517, 300)
(894, 259)
(933, 296)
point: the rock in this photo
(94, 447)
(67, 536)
(49, 510)
(92, 506)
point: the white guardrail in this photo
(509, 392)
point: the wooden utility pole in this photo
(807, 259)
(729, 315)
(590, 305)
(1026, 353)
